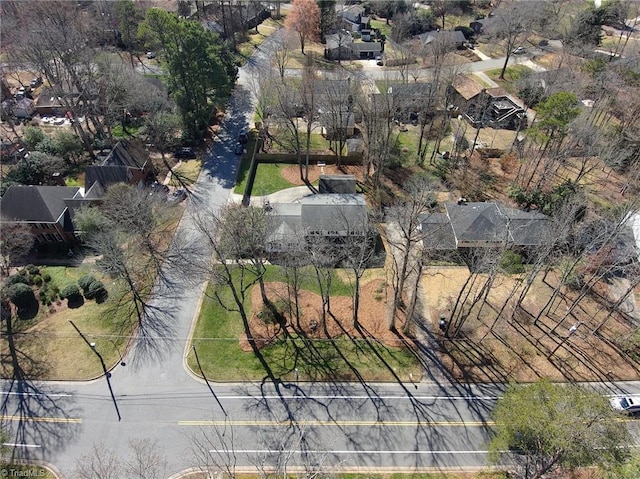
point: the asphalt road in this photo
(434, 424)
(400, 426)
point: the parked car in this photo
(519, 51)
(35, 82)
(177, 196)
(239, 149)
(626, 404)
(379, 61)
(184, 152)
(243, 137)
(159, 188)
(151, 55)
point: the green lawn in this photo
(382, 26)
(268, 178)
(511, 75)
(265, 30)
(51, 342)
(188, 172)
(216, 341)
(118, 132)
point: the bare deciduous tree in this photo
(404, 234)
(16, 241)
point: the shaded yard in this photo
(335, 351)
(512, 345)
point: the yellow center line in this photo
(41, 419)
(339, 423)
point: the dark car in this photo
(184, 152)
(35, 82)
(242, 137)
(177, 196)
(239, 149)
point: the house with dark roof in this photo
(411, 99)
(484, 225)
(343, 46)
(127, 162)
(44, 209)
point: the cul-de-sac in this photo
(320, 239)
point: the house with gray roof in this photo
(412, 99)
(484, 225)
(443, 39)
(343, 46)
(329, 218)
(44, 209)
(354, 19)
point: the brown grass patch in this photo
(496, 344)
(291, 173)
(371, 314)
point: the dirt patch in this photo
(371, 314)
(500, 340)
(291, 173)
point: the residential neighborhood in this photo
(319, 238)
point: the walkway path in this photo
(289, 195)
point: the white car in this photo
(625, 404)
(519, 51)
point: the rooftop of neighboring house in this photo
(466, 86)
(453, 37)
(31, 203)
(126, 153)
(352, 13)
(484, 223)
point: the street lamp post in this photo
(107, 374)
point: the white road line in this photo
(276, 451)
(11, 444)
(372, 397)
(60, 395)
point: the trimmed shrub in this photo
(32, 269)
(37, 280)
(95, 290)
(511, 262)
(46, 277)
(17, 278)
(69, 291)
(85, 281)
(48, 294)
(21, 295)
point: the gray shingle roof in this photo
(477, 224)
(125, 153)
(105, 175)
(35, 203)
(437, 232)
